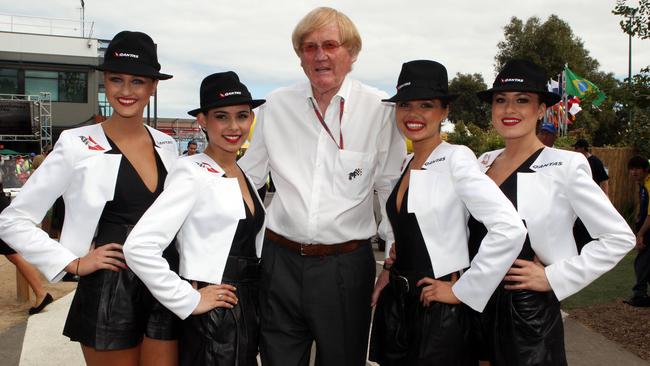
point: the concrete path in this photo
(40, 342)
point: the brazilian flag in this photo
(579, 86)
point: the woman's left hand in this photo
(527, 275)
(438, 291)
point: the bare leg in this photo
(122, 357)
(31, 274)
(156, 352)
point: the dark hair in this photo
(192, 142)
(638, 162)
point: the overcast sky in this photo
(253, 38)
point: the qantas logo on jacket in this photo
(207, 167)
(431, 162)
(91, 144)
(545, 165)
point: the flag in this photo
(579, 87)
(553, 86)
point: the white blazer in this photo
(549, 201)
(449, 187)
(79, 170)
(204, 208)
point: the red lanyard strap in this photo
(327, 129)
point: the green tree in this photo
(476, 138)
(550, 44)
(467, 107)
(636, 21)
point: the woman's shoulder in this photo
(162, 139)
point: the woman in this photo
(419, 318)
(30, 273)
(219, 219)
(550, 188)
(108, 175)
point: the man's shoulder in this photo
(363, 89)
(291, 91)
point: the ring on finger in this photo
(220, 296)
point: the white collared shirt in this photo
(323, 194)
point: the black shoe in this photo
(46, 301)
(639, 302)
(69, 277)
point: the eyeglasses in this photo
(327, 46)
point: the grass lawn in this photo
(613, 285)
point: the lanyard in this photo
(327, 129)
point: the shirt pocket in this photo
(353, 174)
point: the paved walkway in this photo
(40, 343)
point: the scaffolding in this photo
(41, 118)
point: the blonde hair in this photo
(322, 17)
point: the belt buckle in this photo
(406, 281)
(302, 249)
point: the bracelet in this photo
(76, 273)
(386, 266)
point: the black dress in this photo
(404, 332)
(113, 310)
(521, 327)
(230, 336)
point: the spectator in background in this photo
(547, 134)
(598, 172)
(192, 148)
(38, 159)
(638, 168)
(26, 270)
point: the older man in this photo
(328, 143)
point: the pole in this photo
(83, 19)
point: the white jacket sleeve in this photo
(18, 222)
(391, 153)
(255, 162)
(505, 236)
(613, 236)
(154, 231)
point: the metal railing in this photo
(48, 26)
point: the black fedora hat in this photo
(224, 89)
(133, 53)
(422, 79)
(521, 76)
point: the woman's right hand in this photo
(107, 256)
(215, 296)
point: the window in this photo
(8, 81)
(73, 87)
(65, 86)
(42, 81)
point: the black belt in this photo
(404, 282)
(238, 270)
(108, 232)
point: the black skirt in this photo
(6, 249)
(226, 336)
(406, 333)
(520, 328)
(114, 310)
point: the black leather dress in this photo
(404, 332)
(520, 327)
(230, 336)
(113, 310)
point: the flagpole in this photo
(565, 103)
